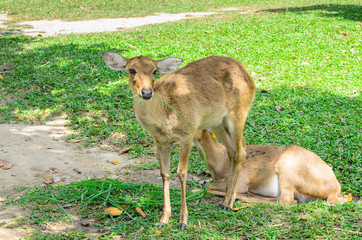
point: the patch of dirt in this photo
(59, 27)
(39, 152)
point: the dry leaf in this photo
(213, 135)
(124, 207)
(113, 211)
(73, 140)
(239, 208)
(304, 218)
(1, 76)
(349, 198)
(305, 63)
(77, 170)
(6, 165)
(124, 150)
(48, 181)
(344, 34)
(158, 232)
(115, 161)
(106, 168)
(140, 211)
(2, 200)
(208, 32)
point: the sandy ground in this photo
(40, 152)
(56, 27)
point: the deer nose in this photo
(146, 93)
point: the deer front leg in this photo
(182, 174)
(164, 153)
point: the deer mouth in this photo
(146, 94)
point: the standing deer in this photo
(212, 93)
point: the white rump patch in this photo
(271, 190)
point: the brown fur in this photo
(214, 92)
(302, 174)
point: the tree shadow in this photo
(348, 12)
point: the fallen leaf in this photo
(213, 135)
(124, 150)
(352, 50)
(113, 211)
(158, 232)
(124, 207)
(73, 140)
(344, 34)
(77, 170)
(208, 32)
(239, 208)
(305, 63)
(115, 161)
(349, 198)
(279, 108)
(304, 218)
(140, 211)
(5, 165)
(1, 76)
(2, 199)
(48, 181)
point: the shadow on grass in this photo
(72, 79)
(348, 12)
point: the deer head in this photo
(142, 70)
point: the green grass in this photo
(313, 70)
(88, 199)
(23, 10)
(306, 59)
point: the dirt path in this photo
(58, 27)
(40, 152)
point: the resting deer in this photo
(272, 173)
(214, 92)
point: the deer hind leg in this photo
(185, 149)
(230, 134)
(287, 189)
(163, 153)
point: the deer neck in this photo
(148, 112)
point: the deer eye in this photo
(132, 71)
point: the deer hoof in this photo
(160, 226)
(225, 208)
(182, 226)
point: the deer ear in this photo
(115, 61)
(168, 65)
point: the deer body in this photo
(214, 92)
(272, 173)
